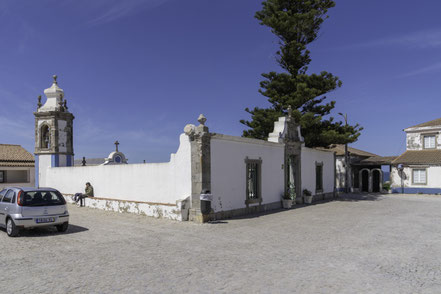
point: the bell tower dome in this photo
(53, 132)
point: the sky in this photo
(138, 71)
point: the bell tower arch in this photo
(53, 133)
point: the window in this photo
(419, 176)
(45, 137)
(253, 184)
(2, 193)
(319, 177)
(43, 198)
(8, 197)
(429, 142)
(2, 176)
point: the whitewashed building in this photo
(16, 166)
(239, 175)
(418, 169)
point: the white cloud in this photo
(424, 39)
(427, 69)
(104, 11)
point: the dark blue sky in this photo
(138, 71)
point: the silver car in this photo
(22, 208)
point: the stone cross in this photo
(116, 144)
(289, 111)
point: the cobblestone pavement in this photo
(358, 244)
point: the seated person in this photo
(88, 193)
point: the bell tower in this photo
(53, 133)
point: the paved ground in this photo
(359, 244)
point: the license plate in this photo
(45, 220)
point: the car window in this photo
(8, 197)
(2, 193)
(43, 198)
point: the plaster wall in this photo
(433, 174)
(27, 175)
(414, 140)
(150, 182)
(340, 172)
(228, 171)
(309, 159)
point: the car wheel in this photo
(11, 229)
(63, 227)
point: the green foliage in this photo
(296, 24)
(386, 186)
(306, 192)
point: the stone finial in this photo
(202, 119)
(189, 129)
(55, 79)
(60, 105)
(65, 104)
(289, 111)
(116, 145)
(84, 161)
(39, 102)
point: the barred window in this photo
(253, 177)
(319, 177)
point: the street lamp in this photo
(345, 116)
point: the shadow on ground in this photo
(360, 197)
(341, 197)
(49, 231)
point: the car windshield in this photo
(42, 198)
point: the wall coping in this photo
(245, 140)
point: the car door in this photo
(2, 207)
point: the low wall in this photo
(159, 210)
(165, 183)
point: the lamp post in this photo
(345, 116)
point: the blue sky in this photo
(138, 71)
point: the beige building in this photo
(16, 166)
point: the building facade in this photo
(235, 175)
(418, 169)
(16, 166)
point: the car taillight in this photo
(19, 198)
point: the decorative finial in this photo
(116, 145)
(289, 111)
(202, 119)
(55, 79)
(84, 161)
(65, 104)
(39, 101)
(60, 105)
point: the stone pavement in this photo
(358, 244)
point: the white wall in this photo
(340, 171)
(433, 174)
(228, 170)
(309, 157)
(29, 181)
(150, 182)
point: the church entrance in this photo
(365, 181)
(376, 180)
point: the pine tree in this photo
(296, 23)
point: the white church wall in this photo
(309, 159)
(228, 170)
(150, 182)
